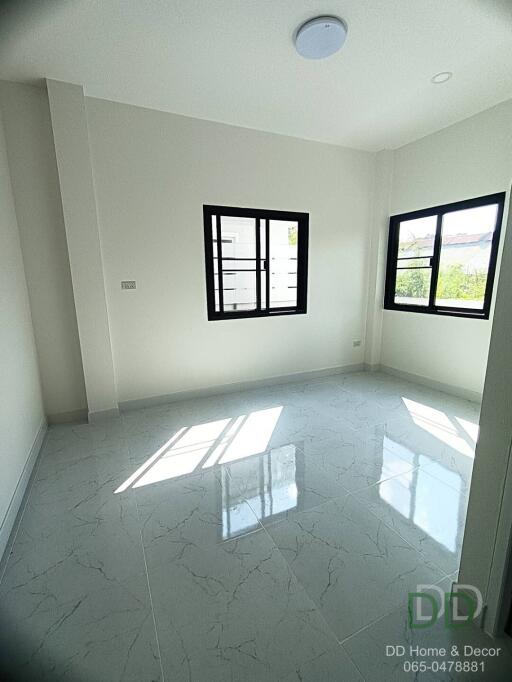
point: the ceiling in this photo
(234, 61)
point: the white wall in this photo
(153, 172)
(38, 206)
(71, 137)
(21, 408)
(469, 159)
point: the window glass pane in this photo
(413, 286)
(235, 264)
(466, 240)
(416, 237)
(263, 241)
(283, 263)
(238, 237)
(239, 291)
(414, 263)
(214, 235)
(263, 285)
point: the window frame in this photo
(260, 215)
(440, 211)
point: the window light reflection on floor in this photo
(439, 425)
(434, 511)
(203, 445)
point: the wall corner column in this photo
(377, 257)
(71, 138)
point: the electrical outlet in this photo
(356, 343)
(129, 284)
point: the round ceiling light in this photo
(441, 77)
(320, 37)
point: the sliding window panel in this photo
(215, 251)
(416, 240)
(238, 237)
(283, 263)
(238, 263)
(412, 286)
(466, 247)
(239, 290)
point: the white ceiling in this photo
(234, 61)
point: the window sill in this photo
(456, 312)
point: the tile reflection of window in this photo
(270, 487)
(434, 510)
(437, 511)
(396, 491)
(237, 518)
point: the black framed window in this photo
(256, 262)
(442, 260)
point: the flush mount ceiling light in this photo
(441, 77)
(320, 37)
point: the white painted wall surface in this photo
(469, 159)
(71, 137)
(37, 199)
(377, 250)
(21, 406)
(153, 172)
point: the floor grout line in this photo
(444, 573)
(140, 528)
(149, 592)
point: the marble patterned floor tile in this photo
(259, 517)
(351, 564)
(71, 500)
(165, 416)
(359, 412)
(313, 394)
(368, 650)
(236, 612)
(452, 468)
(356, 460)
(424, 511)
(206, 443)
(390, 391)
(193, 511)
(281, 481)
(58, 561)
(372, 385)
(330, 666)
(305, 423)
(94, 637)
(433, 441)
(69, 439)
(98, 466)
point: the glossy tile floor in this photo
(271, 534)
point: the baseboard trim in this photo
(138, 403)
(102, 415)
(73, 417)
(16, 505)
(457, 391)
